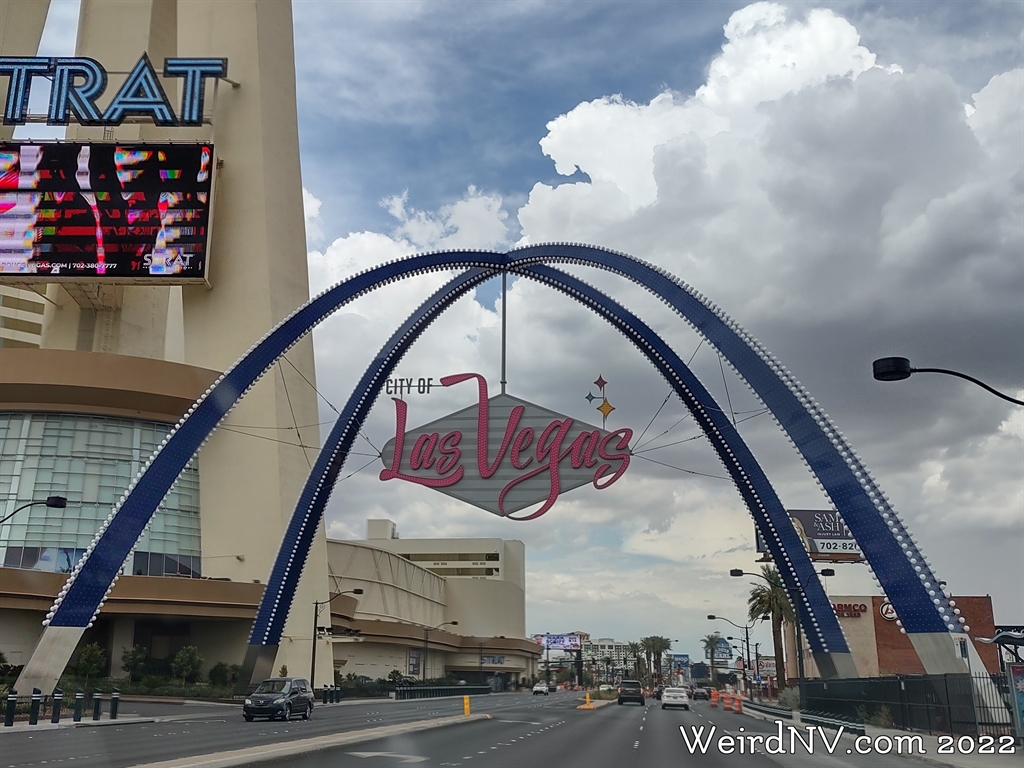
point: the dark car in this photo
(700, 693)
(631, 690)
(279, 697)
(658, 691)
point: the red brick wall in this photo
(896, 654)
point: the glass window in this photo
(141, 565)
(90, 460)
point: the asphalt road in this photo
(524, 731)
(555, 733)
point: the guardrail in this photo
(824, 720)
(437, 691)
(768, 709)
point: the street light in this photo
(54, 502)
(898, 368)
(317, 606)
(796, 607)
(426, 640)
(746, 633)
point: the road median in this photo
(284, 749)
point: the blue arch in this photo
(773, 522)
(898, 564)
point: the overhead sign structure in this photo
(823, 534)
(77, 82)
(135, 213)
(558, 642)
(504, 454)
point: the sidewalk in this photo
(929, 744)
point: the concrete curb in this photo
(285, 749)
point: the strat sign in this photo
(77, 83)
(504, 454)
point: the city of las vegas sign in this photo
(503, 454)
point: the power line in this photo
(324, 398)
(295, 423)
(681, 469)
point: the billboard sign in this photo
(504, 454)
(120, 213)
(558, 642)
(823, 533)
(723, 651)
(766, 667)
(680, 661)
(77, 82)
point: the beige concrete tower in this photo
(257, 276)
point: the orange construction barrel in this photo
(714, 697)
(727, 702)
(737, 705)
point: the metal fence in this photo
(954, 704)
(435, 691)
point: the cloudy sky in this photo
(845, 179)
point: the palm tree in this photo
(647, 644)
(771, 601)
(634, 649)
(607, 668)
(710, 642)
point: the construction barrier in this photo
(714, 697)
(737, 705)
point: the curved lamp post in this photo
(54, 502)
(317, 607)
(898, 368)
(426, 640)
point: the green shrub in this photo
(187, 663)
(90, 662)
(133, 661)
(154, 681)
(789, 698)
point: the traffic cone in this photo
(727, 702)
(714, 697)
(737, 705)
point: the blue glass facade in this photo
(90, 460)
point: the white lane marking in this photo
(528, 722)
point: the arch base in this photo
(257, 667)
(833, 666)
(54, 650)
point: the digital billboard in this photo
(121, 213)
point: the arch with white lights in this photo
(897, 563)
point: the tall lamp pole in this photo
(426, 646)
(54, 502)
(746, 633)
(318, 605)
(898, 368)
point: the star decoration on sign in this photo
(606, 409)
(589, 397)
(600, 383)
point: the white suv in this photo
(540, 688)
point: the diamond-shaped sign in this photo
(532, 455)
